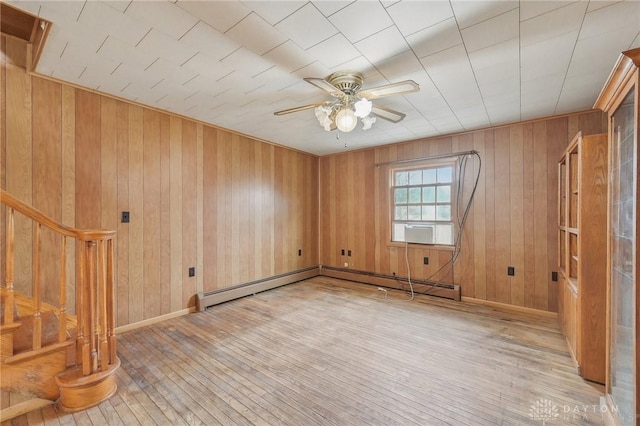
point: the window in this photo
(423, 204)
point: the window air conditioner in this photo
(419, 234)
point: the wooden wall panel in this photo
(47, 179)
(511, 222)
(151, 213)
(88, 161)
(236, 209)
(19, 159)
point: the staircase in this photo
(49, 353)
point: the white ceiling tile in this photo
(114, 49)
(255, 34)
(492, 31)
(547, 57)
(498, 62)
(98, 14)
(473, 12)
(567, 19)
(361, 19)
(119, 5)
(396, 67)
(162, 15)
(274, 11)
(626, 14)
(436, 38)
(246, 62)
(532, 9)
(334, 51)
(221, 15)
(289, 56)
(207, 40)
(306, 27)
(377, 47)
(68, 31)
(161, 45)
(413, 16)
(328, 8)
(359, 63)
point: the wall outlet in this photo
(554, 276)
(300, 252)
(192, 271)
(349, 253)
(342, 252)
(425, 260)
(511, 271)
(124, 217)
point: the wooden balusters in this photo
(102, 308)
(9, 300)
(110, 313)
(37, 302)
(62, 332)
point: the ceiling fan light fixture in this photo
(367, 122)
(363, 107)
(346, 120)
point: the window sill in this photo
(421, 246)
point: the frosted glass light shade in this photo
(346, 120)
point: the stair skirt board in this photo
(35, 376)
(78, 392)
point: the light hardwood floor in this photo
(331, 352)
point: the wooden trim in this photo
(623, 70)
(22, 357)
(204, 300)
(509, 308)
(448, 291)
(144, 323)
(22, 408)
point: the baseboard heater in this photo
(445, 290)
(204, 300)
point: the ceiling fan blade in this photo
(323, 84)
(392, 89)
(296, 109)
(387, 114)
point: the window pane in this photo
(414, 212)
(443, 212)
(415, 177)
(444, 194)
(429, 176)
(428, 212)
(401, 195)
(401, 213)
(414, 195)
(402, 178)
(428, 194)
(445, 174)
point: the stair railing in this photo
(95, 304)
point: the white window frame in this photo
(444, 230)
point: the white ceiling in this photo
(233, 63)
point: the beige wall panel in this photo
(19, 161)
(165, 214)
(122, 236)
(68, 185)
(189, 204)
(151, 213)
(47, 180)
(199, 208)
(502, 215)
(210, 196)
(516, 194)
(479, 222)
(88, 161)
(540, 193)
(531, 156)
(177, 268)
(136, 210)
(3, 163)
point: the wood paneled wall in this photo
(234, 208)
(512, 221)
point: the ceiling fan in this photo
(351, 102)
